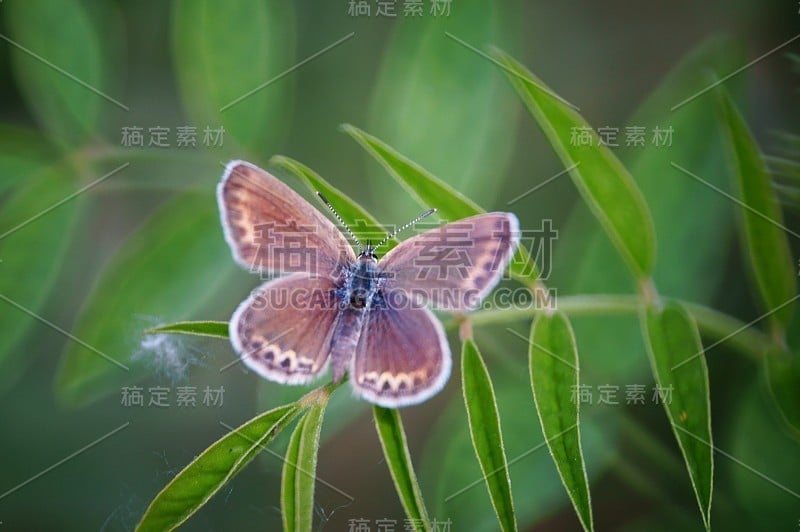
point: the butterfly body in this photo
(364, 316)
(359, 290)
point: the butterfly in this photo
(362, 315)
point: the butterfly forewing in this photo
(402, 357)
(453, 267)
(283, 330)
(271, 229)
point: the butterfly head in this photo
(368, 253)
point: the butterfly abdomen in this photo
(345, 339)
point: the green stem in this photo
(712, 323)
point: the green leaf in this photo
(423, 75)
(64, 57)
(227, 59)
(35, 235)
(395, 449)
(169, 269)
(361, 222)
(783, 377)
(616, 342)
(431, 192)
(762, 478)
(484, 424)
(209, 472)
(554, 378)
(602, 180)
(451, 477)
(215, 329)
(679, 365)
(23, 153)
(299, 471)
(764, 232)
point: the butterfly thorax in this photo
(362, 283)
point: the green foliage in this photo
(418, 59)
(676, 354)
(229, 85)
(175, 266)
(214, 329)
(783, 377)
(432, 192)
(192, 269)
(554, 375)
(299, 471)
(72, 88)
(29, 275)
(484, 424)
(395, 448)
(602, 180)
(210, 471)
(764, 232)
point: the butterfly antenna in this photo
(404, 227)
(339, 218)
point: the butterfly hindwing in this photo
(271, 228)
(283, 330)
(402, 356)
(453, 267)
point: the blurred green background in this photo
(142, 244)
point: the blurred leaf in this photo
(395, 449)
(215, 329)
(587, 261)
(33, 243)
(603, 181)
(783, 377)
(209, 472)
(764, 234)
(788, 169)
(227, 59)
(431, 192)
(487, 438)
(362, 223)
(23, 153)
(420, 98)
(299, 471)
(554, 377)
(168, 269)
(762, 473)
(64, 59)
(680, 369)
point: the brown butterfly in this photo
(365, 316)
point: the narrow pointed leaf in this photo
(395, 449)
(215, 329)
(362, 223)
(605, 184)
(767, 243)
(679, 365)
(554, 378)
(432, 192)
(210, 471)
(299, 471)
(487, 438)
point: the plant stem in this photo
(712, 323)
